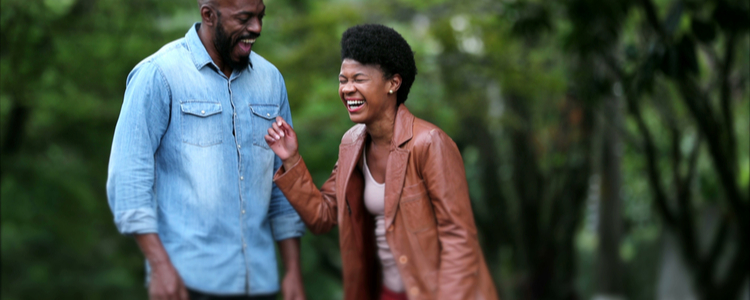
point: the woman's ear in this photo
(395, 82)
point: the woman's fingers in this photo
(269, 139)
(276, 127)
(274, 133)
(284, 126)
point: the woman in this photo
(398, 191)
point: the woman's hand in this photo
(283, 141)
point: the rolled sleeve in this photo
(142, 122)
(136, 221)
(287, 226)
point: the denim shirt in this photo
(189, 162)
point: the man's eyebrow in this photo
(252, 13)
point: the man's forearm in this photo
(289, 249)
(152, 249)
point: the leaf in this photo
(688, 61)
(673, 18)
(731, 18)
(703, 30)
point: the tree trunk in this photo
(608, 265)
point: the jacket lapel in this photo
(395, 171)
(349, 153)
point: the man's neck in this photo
(206, 36)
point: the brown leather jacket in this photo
(430, 225)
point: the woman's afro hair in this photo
(374, 44)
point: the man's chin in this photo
(239, 64)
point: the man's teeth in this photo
(355, 102)
(248, 41)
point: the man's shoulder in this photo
(168, 55)
(261, 64)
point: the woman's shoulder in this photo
(353, 134)
(426, 133)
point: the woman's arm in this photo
(445, 179)
(317, 208)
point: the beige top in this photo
(375, 202)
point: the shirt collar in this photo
(201, 58)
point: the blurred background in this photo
(605, 142)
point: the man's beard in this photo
(224, 45)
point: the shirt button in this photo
(268, 115)
(414, 291)
(235, 114)
(402, 259)
(244, 246)
(203, 112)
(242, 178)
(243, 211)
(239, 147)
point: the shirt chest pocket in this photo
(201, 123)
(263, 117)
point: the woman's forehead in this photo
(350, 67)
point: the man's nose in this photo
(255, 25)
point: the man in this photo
(190, 174)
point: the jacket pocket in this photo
(416, 208)
(263, 117)
(201, 123)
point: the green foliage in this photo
(519, 85)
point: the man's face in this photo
(238, 26)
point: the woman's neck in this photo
(381, 131)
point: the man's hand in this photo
(166, 283)
(283, 141)
(291, 285)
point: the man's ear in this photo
(208, 16)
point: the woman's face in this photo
(364, 92)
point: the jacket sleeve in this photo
(285, 222)
(317, 208)
(445, 179)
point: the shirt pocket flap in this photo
(201, 109)
(265, 111)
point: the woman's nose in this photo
(347, 88)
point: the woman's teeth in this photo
(354, 103)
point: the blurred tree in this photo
(63, 67)
(661, 55)
(517, 84)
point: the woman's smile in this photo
(354, 104)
